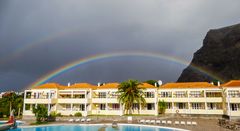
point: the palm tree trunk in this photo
(19, 110)
(10, 107)
(130, 109)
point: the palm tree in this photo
(130, 92)
(162, 106)
(19, 104)
(9, 98)
(224, 97)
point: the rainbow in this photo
(77, 63)
(17, 53)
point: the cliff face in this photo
(219, 56)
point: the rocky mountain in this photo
(217, 59)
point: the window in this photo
(102, 106)
(114, 95)
(213, 94)
(27, 107)
(233, 93)
(115, 106)
(82, 107)
(169, 105)
(150, 106)
(78, 107)
(68, 106)
(79, 96)
(149, 94)
(197, 106)
(65, 96)
(195, 94)
(102, 94)
(181, 105)
(181, 94)
(234, 107)
(135, 106)
(166, 94)
(52, 95)
(28, 95)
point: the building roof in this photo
(146, 85)
(189, 85)
(232, 83)
(109, 85)
(116, 85)
(49, 86)
(80, 86)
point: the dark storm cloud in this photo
(170, 27)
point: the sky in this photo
(39, 36)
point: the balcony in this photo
(73, 100)
(150, 100)
(234, 99)
(197, 99)
(214, 99)
(41, 101)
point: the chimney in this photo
(212, 83)
(155, 84)
(98, 84)
(218, 83)
(69, 84)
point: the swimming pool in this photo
(108, 127)
(18, 122)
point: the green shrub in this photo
(41, 113)
(59, 115)
(53, 114)
(1, 115)
(78, 114)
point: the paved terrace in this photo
(203, 123)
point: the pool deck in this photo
(203, 124)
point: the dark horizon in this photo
(38, 37)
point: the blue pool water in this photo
(18, 123)
(93, 128)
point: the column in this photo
(172, 103)
(121, 109)
(107, 95)
(49, 101)
(156, 102)
(85, 109)
(228, 106)
(205, 97)
(189, 109)
(24, 105)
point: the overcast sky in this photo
(39, 36)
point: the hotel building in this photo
(190, 98)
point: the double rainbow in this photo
(77, 63)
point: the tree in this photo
(224, 96)
(41, 113)
(9, 98)
(19, 104)
(130, 92)
(152, 82)
(162, 106)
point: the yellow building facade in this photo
(190, 98)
